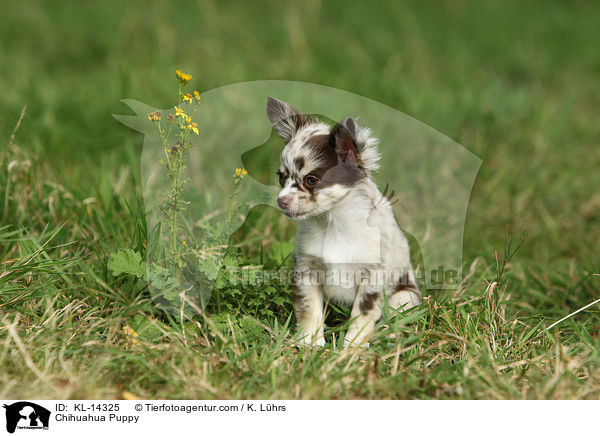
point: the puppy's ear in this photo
(285, 119)
(343, 140)
(350, 125)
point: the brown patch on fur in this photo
(297, 297)
(299, 162)
(299, 304)
(367, 303)
(341, 175)
(301, 120)
(333, 169)
(321, 145)
(405, 284)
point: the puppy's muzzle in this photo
(284, 201)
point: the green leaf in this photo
(148, 329)
(230, 261)
(127, 261)
(210, 266)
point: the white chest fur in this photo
(346, 242)
(341, 240)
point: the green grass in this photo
(516, 84)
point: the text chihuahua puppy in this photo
(349, 247)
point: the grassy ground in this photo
(516, 84)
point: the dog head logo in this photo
(430, 175)
(26, 415)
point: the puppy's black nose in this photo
(284, 201)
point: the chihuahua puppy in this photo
(349, 247)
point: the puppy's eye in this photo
(281, 178)
(311, 181)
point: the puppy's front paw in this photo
(348, 344)
(319, 342)
(307, 340)
(355, 340)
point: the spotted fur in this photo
(349, 247)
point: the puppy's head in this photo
(319, 165)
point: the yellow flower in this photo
(188, 119)
(179, 112)
(193, 127)
(184, 242)
(154, 116)
(183, 77)
(132, 336)
(241, 173)
(129, 396)
(187, 98)
(197, 96)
